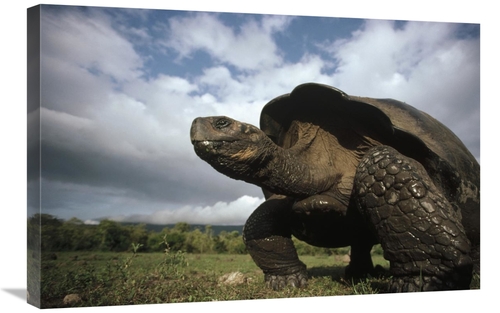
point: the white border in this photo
(13, 143)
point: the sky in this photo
(120, 88)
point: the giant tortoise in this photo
(338, 170)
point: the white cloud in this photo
(422, 64)
(368, 62)
(91, 222)
(221, 213)
(90, 43)
(251, 47)
(272, 82)
(242, 96)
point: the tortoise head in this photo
(231, 147)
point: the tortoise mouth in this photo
(207, 148)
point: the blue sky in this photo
(120, 88)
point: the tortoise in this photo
(338, 171)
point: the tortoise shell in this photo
(388, 122)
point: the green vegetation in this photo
(73, 235)
(114, 264)
(111, 278)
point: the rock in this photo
(72, 299)
(234, 278)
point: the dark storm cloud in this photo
(166, 180)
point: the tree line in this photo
(51, 234)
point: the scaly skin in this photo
(419, 231)
(267, 235)
(417, 227)
(243, 152)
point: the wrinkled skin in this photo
(358, 192)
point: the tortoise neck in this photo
(284, 173)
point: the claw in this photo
(279, 282)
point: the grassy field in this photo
(100, 279)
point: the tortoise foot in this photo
(278, 282)
(419, 283)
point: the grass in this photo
(102, 279)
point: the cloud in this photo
(221, 213)
(427, 65)
(91, 222)
(251, 47)
(89, 42)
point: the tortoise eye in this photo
(222, 123)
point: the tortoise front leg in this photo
(419, 230)
(267, 236)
